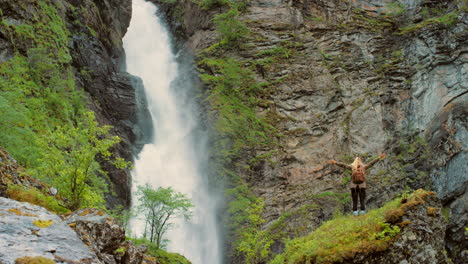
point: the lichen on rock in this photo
(19, 237)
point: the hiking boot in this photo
(355, 213)
(362, 212)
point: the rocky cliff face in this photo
(350, 78)
(95, 43)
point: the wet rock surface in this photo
(21, 235)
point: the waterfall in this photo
(177, 155)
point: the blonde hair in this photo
(357, 161)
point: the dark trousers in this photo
(361, 193)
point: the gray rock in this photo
(53, 191)
(98, 230)
(19, 237)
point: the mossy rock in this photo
(34, 260)
(43, 223)
(344, 237)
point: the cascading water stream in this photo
(177, 156)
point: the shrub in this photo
(231, 30)
(71, 164)
(245, 211)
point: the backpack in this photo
(358, 175)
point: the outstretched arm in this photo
(341, 164)
(370, 164)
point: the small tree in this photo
(159, 207)
(70, 161)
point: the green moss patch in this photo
(162, 256)
(448, 20)
(43, 223)
(34, 260)
(34, 196)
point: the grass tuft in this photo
(34, 196)
(447, 20)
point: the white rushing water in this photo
(176, 157)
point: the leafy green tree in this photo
(70, 161)
(159, 207)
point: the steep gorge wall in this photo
(95, 43)
(350, 78)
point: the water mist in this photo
(177, 155)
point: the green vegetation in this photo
(44, 121)
(396, 9)
(278, 52)
(208, 4)
(234, 95)
(230, 29)
(390, 62)
(362, 20)
(343, 198)
(70, 161)
(408, 149)
(346, 236)
(447, 20)
(34, 196)
(158, 207)
(245, 210)
(120, 250)
(162, 256)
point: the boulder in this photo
(97, 230)
(31, 231)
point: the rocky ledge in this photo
(90, 236)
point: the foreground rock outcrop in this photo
(106, 238)
(85, 236)
(421, 239)
(29, 230)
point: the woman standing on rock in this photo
(358, 180)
